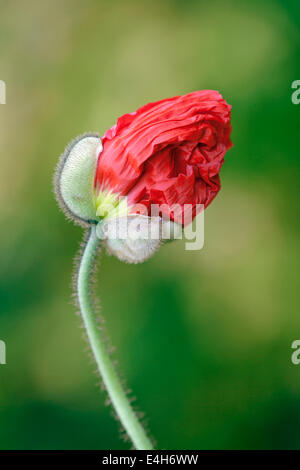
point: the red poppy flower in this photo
(168, 152)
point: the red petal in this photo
(168, 152)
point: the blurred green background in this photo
(203, 338)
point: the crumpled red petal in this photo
(168, 152)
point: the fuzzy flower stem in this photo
(106, 368)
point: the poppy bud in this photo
(166, 154)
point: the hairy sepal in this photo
(74, 179)
(135, 238)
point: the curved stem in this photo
(111, 381)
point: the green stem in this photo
(111, 381)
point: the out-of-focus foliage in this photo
(203, 338)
